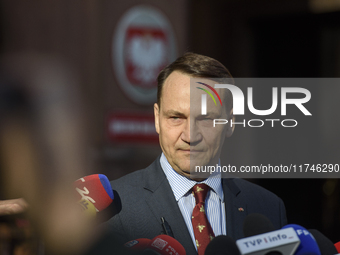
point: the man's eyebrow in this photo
(174, 113)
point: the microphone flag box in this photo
(285, 241)
(95, 188)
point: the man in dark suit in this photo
(162, 197)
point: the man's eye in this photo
(176, 120)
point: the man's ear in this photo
(156, 114)
(230, 130)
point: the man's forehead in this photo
(180, 81)
(176, 87)
(176, 80)
(182, 89)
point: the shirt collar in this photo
(181, 185)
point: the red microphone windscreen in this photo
(337, 246)
(166, 245)
(137, 245)
(95, 188)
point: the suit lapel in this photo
(235, 207)
(162, 203)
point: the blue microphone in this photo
(308, 245)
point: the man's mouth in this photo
(191, 150)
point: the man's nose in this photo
(195, 133)
(191, 133)
(185, 136)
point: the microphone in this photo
(87, 208)
(283, 241)
(222, 245)
(326, 246)
(262, 237)
(308, 245)
(95, 188)
(256, 224)
(137, 245)
(337, 246)
(164, 245)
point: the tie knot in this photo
(200, 192)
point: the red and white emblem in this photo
(145, 55)
(143, 45)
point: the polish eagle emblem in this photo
(146, 55)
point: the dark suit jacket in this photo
(146, 196)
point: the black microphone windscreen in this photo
(149, 252)
(256, 224)
(222, 245)
(326, 246)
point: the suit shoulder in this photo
(131, 179)
(136, 178)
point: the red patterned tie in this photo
(202, 229)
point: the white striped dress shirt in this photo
(214, 206)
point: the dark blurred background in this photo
(252, 38)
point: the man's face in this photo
(187, 138)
